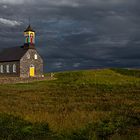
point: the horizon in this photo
(76, 35)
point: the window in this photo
(35, 56)
(14, 68)
(32, 66)
(1, 68)
(28, 56)
(7, 68)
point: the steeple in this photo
(29, 35)
(29, 28)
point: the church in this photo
(22, 61)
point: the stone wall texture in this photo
(29, 60)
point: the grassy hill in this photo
(79, 105)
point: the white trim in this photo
(28, 56)
(14, 68)
(1, 68)
(7, 68)
(32, 65)
(35, 56)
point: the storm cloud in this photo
(76, 34)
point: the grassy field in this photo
(79, 105)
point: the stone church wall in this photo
(29, 60)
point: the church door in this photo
(32, 71)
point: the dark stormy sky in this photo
(76, 34)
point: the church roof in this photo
(12, 54)
(29, 28)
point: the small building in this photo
(22, 61)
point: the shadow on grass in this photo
(15, 128)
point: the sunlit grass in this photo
(76, 99)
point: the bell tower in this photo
(29, 35)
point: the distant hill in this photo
(78, 105)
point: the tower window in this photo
(35, 56)
(7, 68)
(14, 68)
(1, 68)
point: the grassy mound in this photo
(79, 105)
(135, 73)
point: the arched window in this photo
(28, 56)
(14, 68)
(35, 56)
(7, 68)
(32, 66)
(1, 68)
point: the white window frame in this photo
(7, 68)
(36, 56)
(28, 56)
(1, 69)
(14, 68)
(32, 66)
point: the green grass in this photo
(15, 128)
(79, 105)
(135, 73)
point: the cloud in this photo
(17, 2)
(5, 6)
(71, 3)
(12, 1)
(74, 34)
(8, 22)
(76, 65)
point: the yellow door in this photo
(32, 71)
